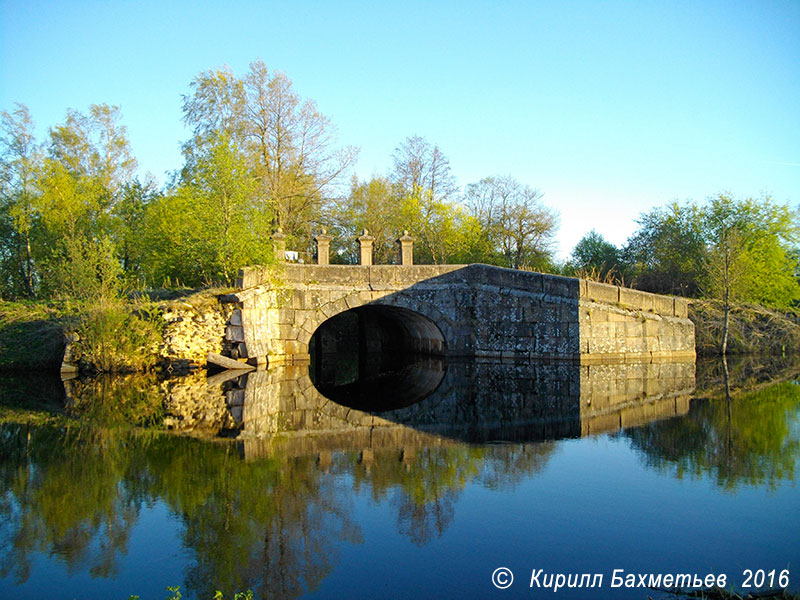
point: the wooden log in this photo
(228, 363)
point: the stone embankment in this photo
(191, 332)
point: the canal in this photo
(419, 478)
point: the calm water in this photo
(413, 483)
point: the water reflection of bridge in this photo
(473, 402)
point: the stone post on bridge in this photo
(406, 243)
(323, 248)
(365, 242)
(279, 245)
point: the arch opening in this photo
(377, 357)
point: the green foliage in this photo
(287, 144)
(373, 205)
(667, 253)
(75, 222)
(593, 254)
(57, 208)
(211, 225)
(744, 248)
(443, 232)
(750, 251)
(113, 337)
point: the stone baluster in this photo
(279, 245)
(323, 248)
(406, 249)
(365, 242)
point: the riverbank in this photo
(753, 329)
(173, 331)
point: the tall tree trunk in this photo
(726, 313)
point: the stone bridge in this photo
(454, 311)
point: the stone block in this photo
(568, 312)
(681, 308)
(652, 343)
(564, 287)
(601, 292)
(636, 345)
(234, 333)
(285, 315)
(618, 316)
(663, 305)
(633, 328)
(298, 299)
(295, 347)
(528, 281)
(652, 327)
(635, 299)
(347, 276)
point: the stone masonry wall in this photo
(192, 331)
(481, 311)
(617, 323)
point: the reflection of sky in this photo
(593, 507)
(154, 560)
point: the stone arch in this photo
(378, 356)
(417, 327)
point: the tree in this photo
(129, 223)
(594, 254)
(746, 440)
(519, 229)
(374, 205)
(422, 174)
(420, 168)
(287, 144)
(667, 253)
(20, 156)
(87, 166)
(750, 254)
(211, 224)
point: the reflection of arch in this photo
(377, 357)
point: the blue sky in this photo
(610, 108)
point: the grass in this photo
(113, 336)
(31, 336)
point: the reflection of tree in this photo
(115, 401)
(273, 525)
(505, 466)
(752, 439)
(61, 497)
(425, 483)
(75, 494)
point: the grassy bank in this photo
(753, 329)
(106, 336)
(32, 336)
(119, 336)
